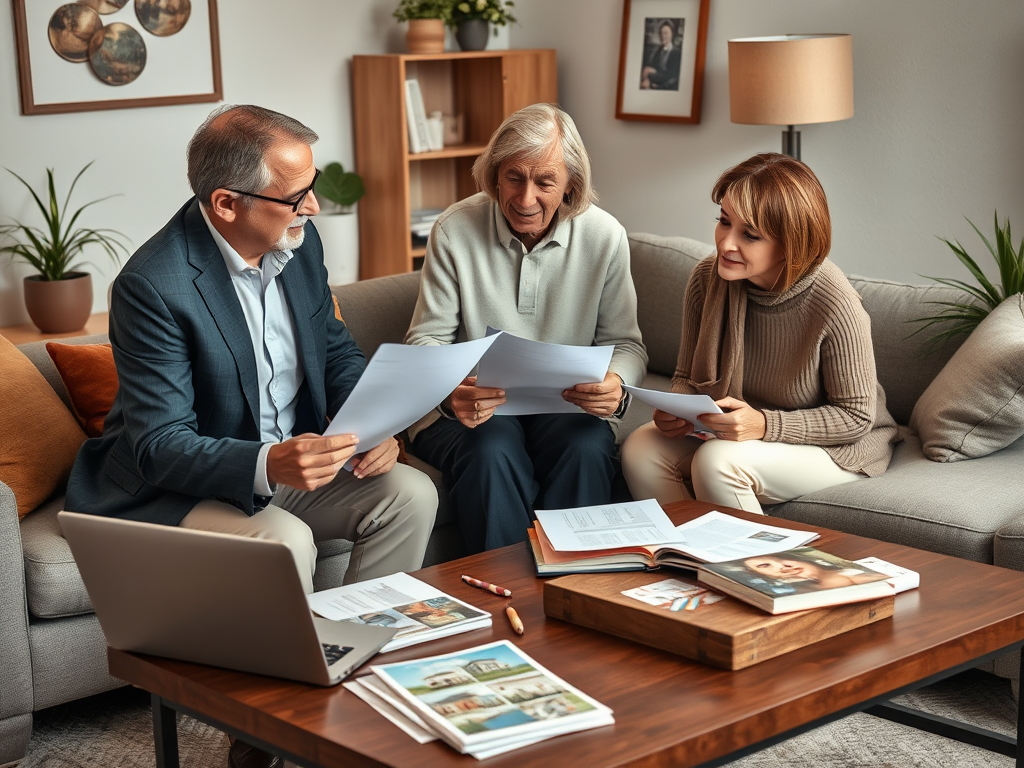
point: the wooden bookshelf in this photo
(482, 86)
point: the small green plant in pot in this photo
(341, 187)
(961, 318)
(427, 20)
(497, 13)
(59, 297)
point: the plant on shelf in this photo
(341, 187)
(960, 318)
(495, 12)
(427, 20)
(411, 10)
(60, 292)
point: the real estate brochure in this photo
(417, 610)
(710, 538)
(487, 700)
(795, 580)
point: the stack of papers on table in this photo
(481, 701)
(417, 610)
(638, 535)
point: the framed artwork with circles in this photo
(116, 54)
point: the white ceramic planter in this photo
(340, 235)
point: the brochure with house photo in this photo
(417, 610)
(490, 699)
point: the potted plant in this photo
(337, 191)
(960, 318)
(427, 20)
(472, 19)
(59, 297)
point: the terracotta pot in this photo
(472, 34)
(425, 36)
(59, 306)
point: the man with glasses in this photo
(231, 359)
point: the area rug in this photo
(115, 730)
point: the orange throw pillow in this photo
(39, 438)
(90, 376)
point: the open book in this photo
(710, 538)
(417, 610)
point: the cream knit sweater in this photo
(802, 357)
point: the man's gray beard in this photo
(289, 243)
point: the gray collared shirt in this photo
(274, 343)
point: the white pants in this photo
(743, 475)
(388, 517)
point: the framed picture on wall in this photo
(661, 61)
(116, 54)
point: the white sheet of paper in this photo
(687, 407)
(534, 373)
(716, 537)
(634, 523)
(400, 385)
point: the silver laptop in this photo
(227, 601)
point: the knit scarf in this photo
(717, 365)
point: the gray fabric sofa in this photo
(51, 647)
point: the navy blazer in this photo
(185, 422)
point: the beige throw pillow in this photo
(975, 405)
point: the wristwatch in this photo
(623, 401)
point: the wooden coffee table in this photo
(669, 711)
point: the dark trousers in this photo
(499, 472)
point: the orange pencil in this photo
(489, 587)
(513, 617)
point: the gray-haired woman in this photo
(531, 255)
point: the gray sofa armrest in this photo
(16, 665)
(1008, 551)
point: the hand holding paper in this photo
(688, 407)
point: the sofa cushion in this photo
(39, 438)
(976, 403)
(378, 310)
(953, 509)
(661, 267)
(905, 368)
(90, 377)
(53, 585)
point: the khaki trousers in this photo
(388, 518)
(743, 475)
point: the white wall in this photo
(936, 135)
(292, 57)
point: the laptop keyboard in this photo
(334, 652)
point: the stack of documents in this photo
(421, 221)
(417, 610)
(638, 536)
(481, 701)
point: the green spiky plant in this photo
(960, 318)
(53, 249)
(341, 187)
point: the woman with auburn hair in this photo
(777, 337)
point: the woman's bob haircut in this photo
(782, 199)
(530, 134)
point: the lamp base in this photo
(791, 142)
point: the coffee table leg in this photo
(165, 734)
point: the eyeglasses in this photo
(293, 204)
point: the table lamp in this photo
(791, 80)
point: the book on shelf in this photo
(637, 536)
(682, 616)
(416, 116)
(796, 580)
(417, 610)
(481, 701)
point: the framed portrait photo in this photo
(116, 54)
(661, 62)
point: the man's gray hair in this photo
(232, 153)
(530, 134)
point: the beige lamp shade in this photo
(791, 79)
